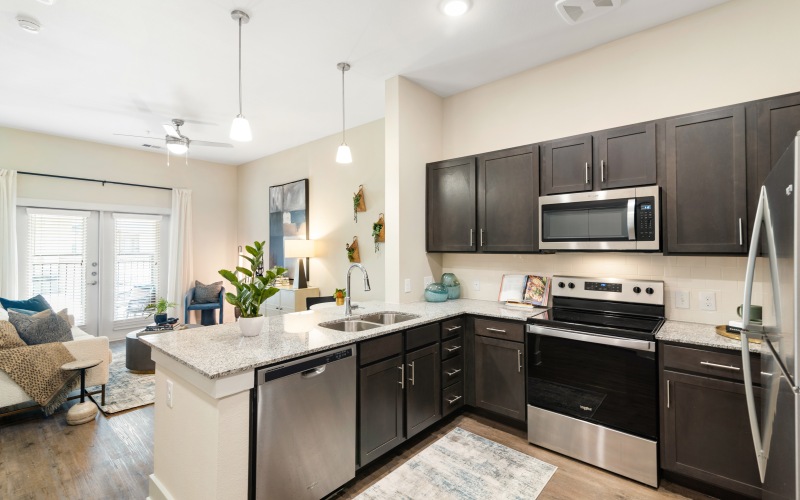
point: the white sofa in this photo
(83, 346)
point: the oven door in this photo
(609, 381)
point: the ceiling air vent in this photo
(578, 11)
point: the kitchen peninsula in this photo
(204, 378)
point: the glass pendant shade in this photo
(240, 129)
(343, 154)
(177, 147)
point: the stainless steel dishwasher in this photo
(306, 426)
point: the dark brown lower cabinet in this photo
(500, 376)
(381, 408)
(423, 389)
(706, 432)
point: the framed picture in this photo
(288, 219)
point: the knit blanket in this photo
(37, 370)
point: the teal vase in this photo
(435, 292)
(452, 285)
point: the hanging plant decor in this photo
(352, 250)
(359, 205)
(379, 233)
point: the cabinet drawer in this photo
(717, 364)
(452, 327)
(500, 329)
(422, 336)
(452, 398)
(452, 370)
(380, 348)
(452, 347)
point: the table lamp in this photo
(299, 249)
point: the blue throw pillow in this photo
(26, 312)
(36, 304)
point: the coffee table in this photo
(84, 411)
(137, 353)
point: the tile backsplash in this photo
(724, 276)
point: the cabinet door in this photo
(508, 200)
(423, 389)
(627, 156)
(451, 207)
(706, 182)
(567, 165)
(707, 432)
(381, 408)
(500, 377)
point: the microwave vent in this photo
(578, 11)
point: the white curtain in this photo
(181, 268)
(9, 277)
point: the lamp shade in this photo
(240, 129)
(298, 248)
(343, 154)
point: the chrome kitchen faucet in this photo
(347, 307)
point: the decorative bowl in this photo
(436, 292)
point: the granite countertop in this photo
(221, 350)
(700, 334)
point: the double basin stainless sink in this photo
(368, 321)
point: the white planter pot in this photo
(251, 327)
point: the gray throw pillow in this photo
(206, 294)
(41, 328)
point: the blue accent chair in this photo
(207, 310)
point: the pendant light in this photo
(240, 128)
(343, 154)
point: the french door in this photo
(104, 267)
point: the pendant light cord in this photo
(343, 138)
(240, 66)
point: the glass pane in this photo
(608, 223)
(137, 245)
(566, 224)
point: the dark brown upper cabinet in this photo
(626, 156)
(567, 165)
(778, 124)
(706, 195)
(508, 200)
(451, 206)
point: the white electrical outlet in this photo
(708, 301)
(169, 393)
(427, 280)
(407, 285)
(681, 299)
(476, 285)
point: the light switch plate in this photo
(476, 285)
(407, 285)
(708, 301)
(169, 393)
(681, 299)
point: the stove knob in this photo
(636, 289)
(650, 291)
(560, 284)
(571, 286)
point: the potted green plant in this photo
(159, 307)
(338, 294)
(252, 290)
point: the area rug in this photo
(126, 390)
(462, 465)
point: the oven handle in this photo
(631, 218)
(636, 345)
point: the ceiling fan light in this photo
(240, 129)
(343, 154)
(177, 148)
(455, 8)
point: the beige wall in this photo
(213, 187)
(413, 136)
(331, 188)
(739, 51)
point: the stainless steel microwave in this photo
(615, 219)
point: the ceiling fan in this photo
(176, 142)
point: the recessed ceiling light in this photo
(47, 2)
(29, 24)
(455, 8)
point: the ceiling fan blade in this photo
(171, 130)
(142, 137)
(212, 144)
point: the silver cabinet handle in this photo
(587, 172)
(451, 401)
(452, 349)
(481, 236)
(454, 328)
(495, 330)
(402, 382)
(471, 237)
(450, 374)
(519, 361)
(602, 170)
(667, 393)
(411, 365)
(741, 235)
(724, 367)
(92, 282)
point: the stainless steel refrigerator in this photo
(775, 421)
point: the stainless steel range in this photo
(593, 375)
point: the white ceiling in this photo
(100, 67)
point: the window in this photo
(137, 263)
(56, 259)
